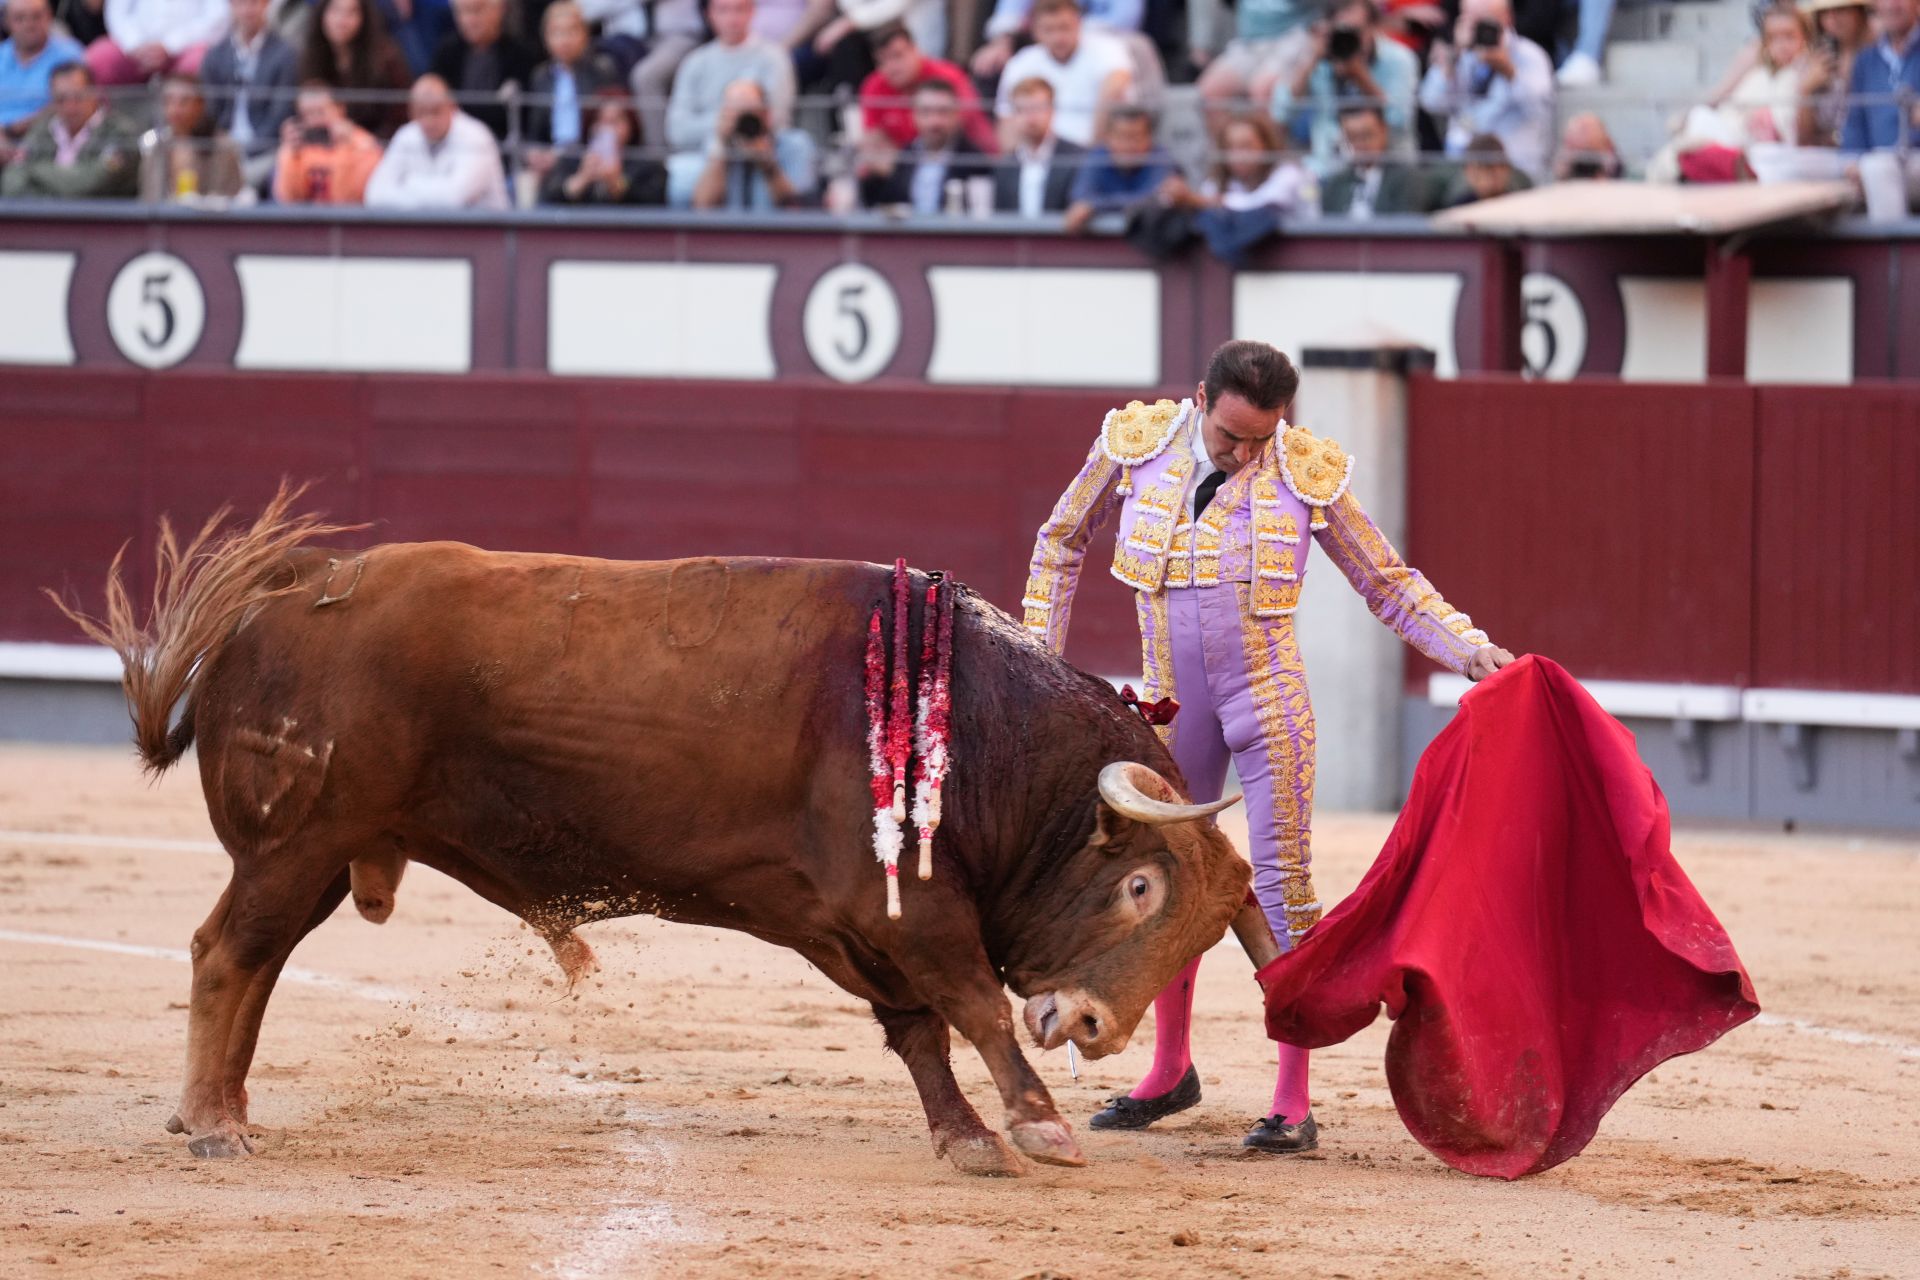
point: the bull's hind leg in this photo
(920, 1037)
(268, 906)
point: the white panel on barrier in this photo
(1800, 331)
(355, 315)
(1026, 326)
(1666, 330)
(1294, 309)
(661, 319)
(33, 318)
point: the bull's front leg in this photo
(920, 1037)
(963, 990)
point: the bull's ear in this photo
(1109, 827)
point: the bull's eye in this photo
(1138, 888)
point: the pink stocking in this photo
(1172, 1025)
(1290, 1090)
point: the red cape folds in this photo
(1528, 928)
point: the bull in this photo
(578, 739)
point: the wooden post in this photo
(1729, 273)
(1501, 308)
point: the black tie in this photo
(1204, 494)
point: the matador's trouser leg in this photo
(1242, 693)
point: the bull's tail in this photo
(200, 591)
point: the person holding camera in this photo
(1493, 80)
(751, 166)
(325, 158)
(1348, 66)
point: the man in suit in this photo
(479, 60)
(1036, 177)
(249, 80)
(941, 153)
(1373, 182)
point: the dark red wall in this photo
(1726, 534)
(1715, 534)
(948, 479)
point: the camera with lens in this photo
(1486, 35)
(317, 136)
(749, 126)
(1343, 43)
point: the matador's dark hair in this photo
(1256, 372)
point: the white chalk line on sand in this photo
(612, 1243)
(1841, 1034)
(86, 840)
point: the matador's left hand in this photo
(1486, 660)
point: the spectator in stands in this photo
(610, 170)
(1270, 39)
(751, 164)
(348, 48)
(27, 58)
(694, 110)
(649, 39)
(1348, 64)
(1883, 121)
(418, 27)
(572, 77)
(1754, 125)
(482, 63)
(80, 150)
(941, 154)
(250, 78)
(1124, 20)
(1484, 173)
(1582, 67)
(1843, 31)
(1089, 70)
(146, 38)
(1129, 169)
(185, 157)
(444, 159)
(1587, 151)
(838, 52)
(1250, 171)
(886, 105)
(1039, 170)
(324, 157)
(1493, 80)
(1374, 181)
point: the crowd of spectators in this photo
(1031, 108)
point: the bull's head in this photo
(1156, 885)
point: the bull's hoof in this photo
(225, 1143)
(175, 1124)
(986, 1156)
(1049, 1142)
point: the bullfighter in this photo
(1219, 496)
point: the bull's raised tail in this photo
(200, 591)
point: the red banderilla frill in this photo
(897, 737)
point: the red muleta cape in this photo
(1527, 927)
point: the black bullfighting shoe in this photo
(1123, 1112)
(1274, 1134)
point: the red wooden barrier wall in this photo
(949, 479)
(1725, 534)
(1713, 534)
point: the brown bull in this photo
(580, 739)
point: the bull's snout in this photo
(1059, 1016)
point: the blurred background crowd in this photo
(1173, 118)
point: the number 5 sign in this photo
(156, 310)
(851, 322)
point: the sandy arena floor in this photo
(432, 1103)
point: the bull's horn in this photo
(1120, 788)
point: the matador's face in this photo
(1233, 430)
